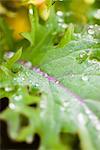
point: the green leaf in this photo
(72, 66)
(95, 54)
(10, 62)
(30, 36)
(58, 111)
(67, 36)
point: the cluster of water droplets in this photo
(93, 118)
(61, 22)
(93, 32)
(52, 79)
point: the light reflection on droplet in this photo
(57, 82)
(36, 85)
(64, 25)
(8, 89)
(60, 20)
(17, 98)
(12, 106)
(91, 31)
(81, 119)
(31, 11)
(93, 118)
(43, 104)
(8, 55)
(85, 78)
(59, 13)
(97, 14)
(81, 55)
(22, 78)
(65, 104)
(28, 64)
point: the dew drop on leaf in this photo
(64, 25)
(36, 85)
(43, 104)
(8, 55)
(59, 13)
(57, 82)
(8, 89)
(12, 106)
(81, 119)
(65, 104)
(31, 11)
(60, 20)
(97, 14)
(85, 78)
(23, 78)
(28, 64)
(90, 31)
(17, 98)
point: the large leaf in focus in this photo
(76, 66)
(58, 111)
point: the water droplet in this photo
(22, 78)
(17, 98)
(59, 13)
(93, 118)
(43, 104)
(8, 89)
(97, 14)
(28, 64)
(91, 31)
(36, 85)
(64, 25)
(8, 55)
(85, 78)
(65, 104)
(31, 11)
(60, 20)
(89, 1)
(12, 106)
(57, 82)
(81, 55)
(81, 119)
